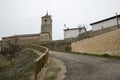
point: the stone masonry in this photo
(105, 43)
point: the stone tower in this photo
(46, 26)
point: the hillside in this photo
(104, 43)
(22, 67)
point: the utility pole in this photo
(117, 18)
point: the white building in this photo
(109, 22)
(73, 33)
(112, 22)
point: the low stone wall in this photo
(59, 45)
(105, 43)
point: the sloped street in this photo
(82, 67)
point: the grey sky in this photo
(24, 16)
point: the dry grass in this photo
(52, 71)
(23, 66)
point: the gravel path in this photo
(81, 67)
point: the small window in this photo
(45, 20)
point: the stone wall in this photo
(44, 37)
(25, 39)
(37, 38)
(104, 43)
(91, 33)
(59, 45)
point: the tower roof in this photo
(47, 15)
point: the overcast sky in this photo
(24, 16)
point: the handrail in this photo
(41, 61)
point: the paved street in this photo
(81, 67)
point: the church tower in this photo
(46, 26)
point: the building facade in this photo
(73, 33)
(98, 28)
(106, 23)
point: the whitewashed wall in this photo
(71, 33)
(105, 24)
(82, 31)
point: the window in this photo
(45, 20)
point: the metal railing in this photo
(41, 61)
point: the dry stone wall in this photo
(105, 43)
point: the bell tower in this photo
(46, 26)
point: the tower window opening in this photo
(45, 20)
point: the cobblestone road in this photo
(81, 67)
